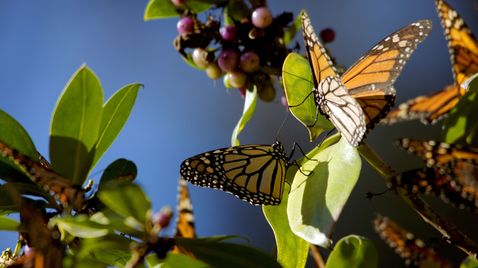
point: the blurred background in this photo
(44, 42)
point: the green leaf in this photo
(161, 9)
(174, 260)
(291, 31)
(116, 222)
(81, 226)
(236, 10)
(8, 224)
(220, 254)
(120, 170)
(353, 252)
(292, 250)
(469, 262)
(316, 200)
(249, 108)
(111, 249)
(128, 200)
(116, 112)
(462, 122)
(14, 135)
(75, 125)
(298, 87)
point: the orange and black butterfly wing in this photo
(253, 173)
(62, 188)
(185, 225)
(330, 95)
(411, 249)
(370, 80)
(462, 43)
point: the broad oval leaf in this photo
(353, 251)
(81, 226)
(469, 262)
(113, 250)
(128, 200)
(298, 87)
(174, 260)
(292, 250)
(247, 113)
(317, 199)
(161, 9)
(8, 224)
(75, 125)
(116, 112)
(221, 254)
(120, 170)
(461, 123)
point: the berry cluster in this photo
(248, 48)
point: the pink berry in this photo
(228, 33)
(261, 17)
(249, 62)
(200, 57)
(283, 100)
(238, 79)
(178, 3)
(213, 71)
(327, 35)
(163, 217)
(228, 60)
(185, 25)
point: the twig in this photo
(317, 257)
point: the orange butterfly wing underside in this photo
(463, 48)
(185, 226)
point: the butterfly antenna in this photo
(282, 125)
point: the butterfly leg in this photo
(302, 102)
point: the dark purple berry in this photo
(327, 35)
(228, 33)
(185, 25)
(249, 62)
(228, 60)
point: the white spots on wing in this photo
(395, 38)
(403, 43)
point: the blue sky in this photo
(180, 112)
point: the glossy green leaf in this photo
(116, 222)
(128, 200)
(298, 87)
(353, 252)
(30, 189)
(174, 260)
(75, 125)
(221, 254)
(292, 250)
(469, 262)
(462, 122)
(8, 224)
(81, 226)
(316, 199)
(113, 250)
(161, 9)
(14, 135)
(120, 170)
(116, 112)
(247, 113)
(292, 30)
(236, 10)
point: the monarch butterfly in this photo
(451, 189)
(60, 187)
(364, 94)
(185, 226)
(463, 48)
(412, 250)
(253, 173)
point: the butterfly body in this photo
(253, 173)
(363, 95)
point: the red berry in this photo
(327, 35)
(238, 79)
(163, 217)
(261, 17)
(185, 25)
(228, 60)
(249, 62)
(200, 57)
(228, 33)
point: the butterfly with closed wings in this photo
(253, 173)
(463, 48)
(357, 100)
